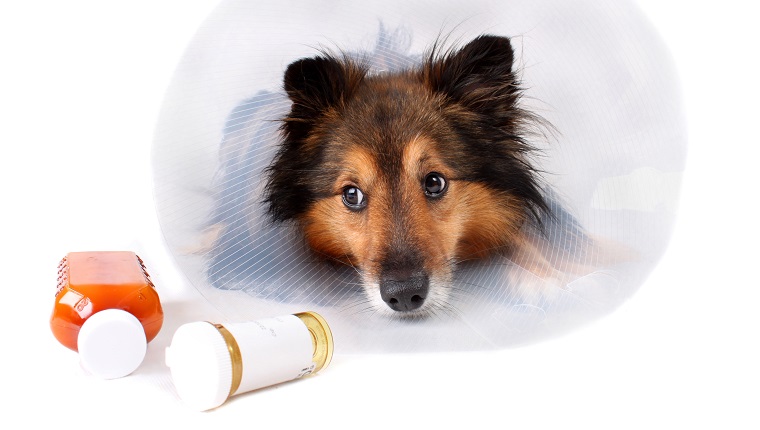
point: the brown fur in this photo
(465, 225)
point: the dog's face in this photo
(404, 175)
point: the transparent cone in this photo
(613, 159)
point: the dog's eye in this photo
(435, 184)
(353, 198)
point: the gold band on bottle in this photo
(321, 338)
(235, 357)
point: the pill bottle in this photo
(211, 362)
(107, 309)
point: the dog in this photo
(405, 175)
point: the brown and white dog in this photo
(403, 175)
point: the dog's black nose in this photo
(406, 295)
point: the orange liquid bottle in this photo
(90, 283)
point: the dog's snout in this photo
(405, 295)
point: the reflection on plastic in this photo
(594, 70)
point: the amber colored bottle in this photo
(89, 282)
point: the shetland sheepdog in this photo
(406, 174)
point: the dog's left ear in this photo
(478, 76)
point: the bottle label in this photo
(273, 350)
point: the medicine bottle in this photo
(211, 362)
(107, 309)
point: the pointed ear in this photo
(475, 75)
(314, 85)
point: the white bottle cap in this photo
(111, 344)
(201, 366)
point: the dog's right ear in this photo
(315, 85)
(478, 76)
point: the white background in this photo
(81, 86)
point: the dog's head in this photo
(403, 175)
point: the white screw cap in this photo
(201, 366)
(111, 344)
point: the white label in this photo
(274, 350)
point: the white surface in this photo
(111, 344)
(81, 86)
